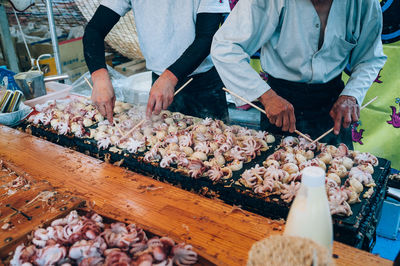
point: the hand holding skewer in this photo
(330, 130)
(143, 120)
(262, 111)
(115, 123)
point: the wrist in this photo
(170, 76)
(100, 75)
(348, 97)
(267, 96)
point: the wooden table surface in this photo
(220, 233)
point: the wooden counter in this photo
(220, 233)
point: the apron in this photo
(312, 104)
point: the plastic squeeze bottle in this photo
(309, 215)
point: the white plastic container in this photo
(309, 215)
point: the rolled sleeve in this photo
(367, 58)
(248, 27)
(121, 7)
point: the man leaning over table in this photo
(305, 46)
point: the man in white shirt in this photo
(175, 38)
(305, 46)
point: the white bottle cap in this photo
(313, 176)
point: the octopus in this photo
(186, 140)
(365, 158)
(23, 254)
(290, 168)
(183, 254)
(202, 147)
(236, 154)
(275, 173)
(50, 255)
(366, 168)
(326, 157)
(354, 185)
(289, 191)
(167, 160)
(306, 145)
(363, 177)
(235, 165)
(251, 147)
(103, 143)
(153, 155)
(133, 145)
(216, 173)
(123, 237)
(87, 249)
(270, 162)
(290, 141)
(115, 256)
(338, 201)
(338, 169)
(341, 151)
(314, 162)
(196, 168)
(289, 158)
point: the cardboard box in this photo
(76, 73)
(131, 67)
(71, 53)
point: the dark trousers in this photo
(312, 104)
(203, 97)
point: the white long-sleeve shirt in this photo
(287, 31)
(166, 28)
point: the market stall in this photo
(220, 233)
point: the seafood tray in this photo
(85, 237)
(394, 180)
(25, 204)
(357, 230)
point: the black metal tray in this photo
(357, 230)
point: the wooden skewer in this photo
(330, 130)
(143, 120)
(115, 124)
(183, 86)
(263, 111)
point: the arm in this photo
(162, 92)
(249, 27)
(366, 60)
(96, 30)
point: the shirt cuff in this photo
(253, 95)
(119, 7)
(348, 91)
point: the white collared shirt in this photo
(287, 31)
(166, 28)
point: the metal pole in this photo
(53, 34)
(6, 41)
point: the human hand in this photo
(279, 111)
(346, 109)
(162, 93)
(103, 96)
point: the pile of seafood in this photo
(348, 172)
(209, 149)
(195, 147)
(86, 240)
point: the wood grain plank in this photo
(219, 234)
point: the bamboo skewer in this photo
(183, 86)
(330, 130)
(262, 111)
(115, 124)
(143, 120)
